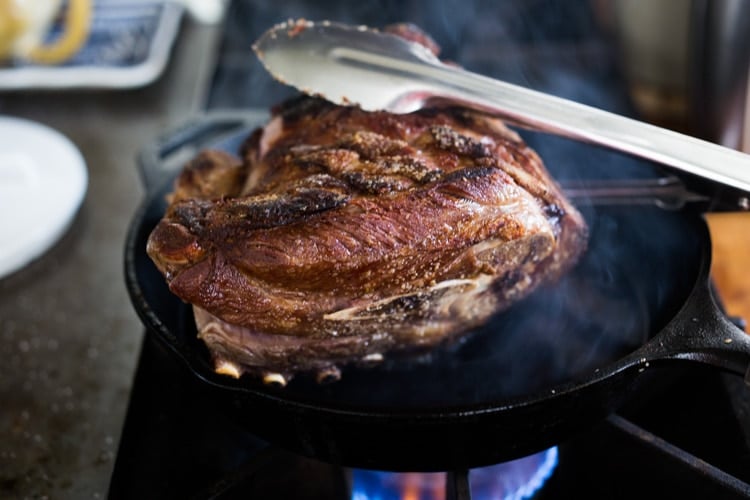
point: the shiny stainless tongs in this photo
(357, 65)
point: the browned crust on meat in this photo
(348, 210)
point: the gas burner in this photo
(516, 479)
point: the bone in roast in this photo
(339, 236)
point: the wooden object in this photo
(730, 235)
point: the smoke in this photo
(639, 268)
(491, 37)
(640, 262)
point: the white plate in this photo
(43, 180)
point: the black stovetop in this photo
(687, 436)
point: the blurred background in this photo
(112, 76)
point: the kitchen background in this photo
(69, 337)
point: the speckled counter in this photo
(69, 338)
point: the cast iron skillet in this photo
(556, 363)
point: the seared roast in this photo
(339, 236)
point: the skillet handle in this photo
(702, 332)
(154, 159)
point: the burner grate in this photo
(176, 445)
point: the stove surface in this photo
(688, 433)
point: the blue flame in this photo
(515, 480)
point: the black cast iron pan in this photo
(556, 363)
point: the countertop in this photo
(69, 337)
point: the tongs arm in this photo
(353, 64)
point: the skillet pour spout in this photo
(701, 333)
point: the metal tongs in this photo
(379, 71)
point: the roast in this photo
(339, 237)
